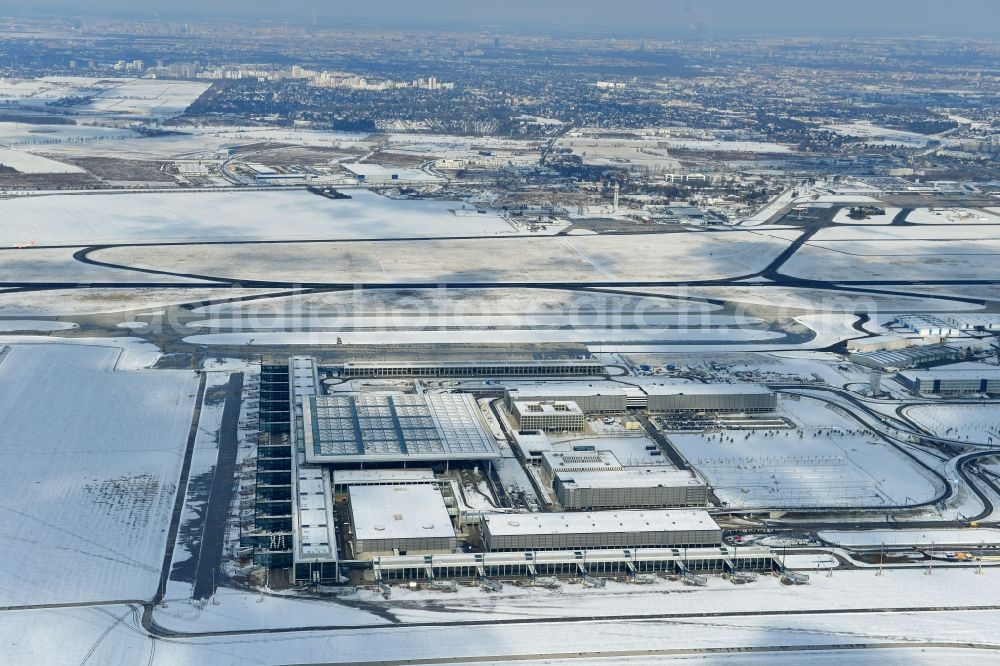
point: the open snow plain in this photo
(257, 215)
(91, 456)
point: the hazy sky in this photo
(668, 17)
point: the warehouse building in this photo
(549, 416)
(400, 519)
(982, 379)
(909, 357)
(947, 325)
(650, 528)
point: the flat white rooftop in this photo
(971, 374)
(314, 516)
(631, 477)
(347, 477)
(413, 511)
(566, 388)
(382, 427)
(645, 520)
(706, 389)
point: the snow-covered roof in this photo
(645, 520)
(383, 427)
(347, 477)
(414, 511)
(930, 374)
(706, 389)
(630, 477)
(566, 388)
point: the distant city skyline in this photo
(640, 17)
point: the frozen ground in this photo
(588, 306)
(194, 216)
(956, 537)
(874, 135)
(9, 325)
(57, 265)
(89, 470)
(976, 423)
(603, 336)
(29, 163)
(792, 298)
(953, 216)
(110, 634)
(607, 257)
(44, 137)
(147, 97)
(71, 636)
(897, 253)
(422, 320)
(834, 463)
(85, 301)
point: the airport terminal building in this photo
(609, 398)
(600, 529)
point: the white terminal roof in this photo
(314, 515)
(567, 388)
(348, 477)
(556, 389)
(705, 389)
(645, 520)
(630, 477)
(414, 511)
(382, 427)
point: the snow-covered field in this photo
(83, 301)
(882, 136)
(58, 265)
(896, 259)
(193, 216)
(953, 537)
(8, 325)
(44, 137)
(835, 462)
(89, 469)
(108, 96)
(976, 423)
(147, 97)
(588, 306)
(952, 216)
(72, 636)
(474, 336)
(582, 258)
(28, 163)
(420, 320)
(793, 298)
